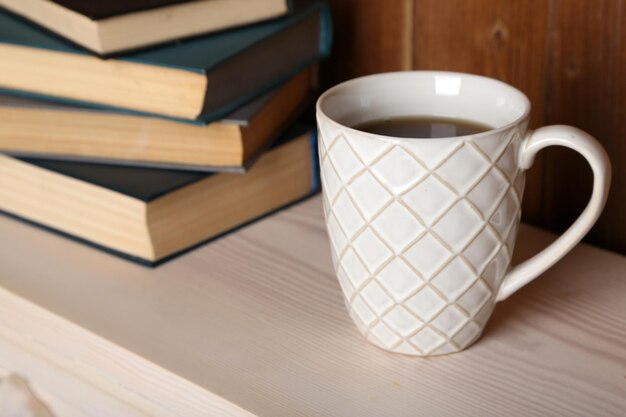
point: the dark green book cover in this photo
(147, 184)
(240, 64)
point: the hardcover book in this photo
(150, 215)
(112, 26)
(53, 130)
(203, 78)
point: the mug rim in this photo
(321, 114)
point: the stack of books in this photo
(147, 127)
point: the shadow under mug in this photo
(422, 230)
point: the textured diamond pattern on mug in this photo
(421, 234)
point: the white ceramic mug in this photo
(422, 230)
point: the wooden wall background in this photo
(568, 56)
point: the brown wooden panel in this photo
(588, 90)
(504, 39)
(369, 36)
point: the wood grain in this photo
(588, 90)
(492, 38)
(79, 399)
(256, 322)
(502, 39)
(371, 36)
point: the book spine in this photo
(326, 31)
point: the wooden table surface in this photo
(254, 325)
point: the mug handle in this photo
(597, 157)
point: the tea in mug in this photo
(422, 127)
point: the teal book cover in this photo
(239, 64)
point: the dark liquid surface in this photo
(422, 127)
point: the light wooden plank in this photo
(64, 395)
(256, 322)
